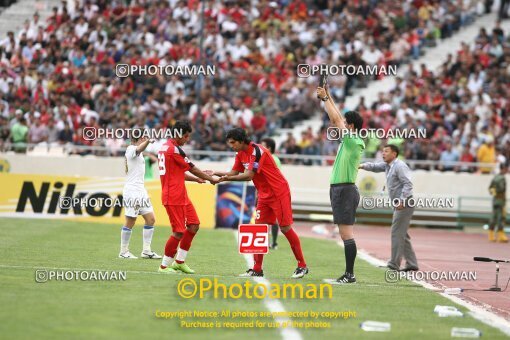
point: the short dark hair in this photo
(239, 135)
(181, 127)
(136, 134)
(271, 145)
(353, 117)
(393, 148)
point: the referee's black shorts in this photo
(344, 202)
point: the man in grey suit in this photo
(400, 188)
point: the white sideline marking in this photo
(476, 312)
(155, 272)
(273, 305)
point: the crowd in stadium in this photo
(58, 76)
(463, 107)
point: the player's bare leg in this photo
(295, 245)
(148, 232)
(125, 236)
(184, 247)
(347, 235)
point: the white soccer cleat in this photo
(150, 255)
(127, 255)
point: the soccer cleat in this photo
(502, 236)
(251, 272)
(299, 272)
(167, 270)
(183, 267)
(127, 255)
(346, 278)
(274, 246)
(150, 255)
(492, 237)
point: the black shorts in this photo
(344, 202)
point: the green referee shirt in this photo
(347, 160)
(277, 161)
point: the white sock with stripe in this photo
(125, 235)
(148, 232)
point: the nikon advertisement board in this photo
(88, 198)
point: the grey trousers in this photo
(400, 239)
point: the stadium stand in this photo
(59, 75)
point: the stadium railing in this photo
(469, 211)
(43, 149)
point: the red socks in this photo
(186, 240)
(258, 259)
(171, 246)
(185, 245)
(295, 244)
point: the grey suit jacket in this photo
(398, 177)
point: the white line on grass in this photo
(476, 312)
(274, 305)
(109, 269)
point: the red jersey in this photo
(173, 164)
(268, 179)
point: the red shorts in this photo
(181, 216)
(269, 211)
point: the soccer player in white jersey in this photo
(136, 201)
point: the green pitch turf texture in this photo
(126, 309)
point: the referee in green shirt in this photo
(343, 193)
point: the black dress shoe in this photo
(392, 267)
(410, 269)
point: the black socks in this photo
(274, 232)
(350, 255)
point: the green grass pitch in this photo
(126, 309)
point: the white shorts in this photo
(136, 202)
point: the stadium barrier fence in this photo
(53, 149)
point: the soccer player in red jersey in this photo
(254, 162)
(173, 167)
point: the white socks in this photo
(181, 255)
(148, 231)
(167, 261)
(125, 235)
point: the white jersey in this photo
(135, 170)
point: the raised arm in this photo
(373, 167)
(143, 145)
(329, 105)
